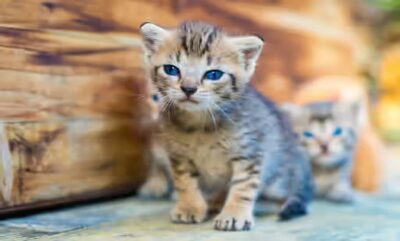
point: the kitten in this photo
(159, 179)
(222, 136)
(328, 133)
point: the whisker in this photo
(211, 114)
(212, 118)
(224, 113)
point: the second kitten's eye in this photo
(172, 70)
(338, 131)
(213, 74)
(308, 134)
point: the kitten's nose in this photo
(324, 148)
(189, 90)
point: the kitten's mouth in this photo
(325, 154)
(188, 99)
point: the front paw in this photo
(183, 213)
(234, 221)
(342, 193)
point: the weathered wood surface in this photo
(55, 159)
(371, 218)
(59, 158)
(74, 107)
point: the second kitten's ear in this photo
(294, 112)
(153, 36)
(250, 46)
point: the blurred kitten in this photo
(159, 178)
(328, 133)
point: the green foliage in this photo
(388, 5)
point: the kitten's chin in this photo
(191, 106)
(327, 160)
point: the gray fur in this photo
(332, 171)
(248, 130)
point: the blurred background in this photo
(319, 50)
(74, 97)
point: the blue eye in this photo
(308, 134)
(170, 69)
(213, 74)
(155, 97)
(338, 131)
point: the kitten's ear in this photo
(250, 46)
(351, 110)
(294, 112)
(153, 36)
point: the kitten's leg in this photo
(341, 189)
(237, 213)
(191, 206)
(157, 184)
(341, 192)
(159, 180)
(301, 187)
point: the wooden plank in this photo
(64, 158)
(35, 96)
(88, 15)
(67, 52)
(73, 100)
(8, 168)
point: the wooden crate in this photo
(73, 102)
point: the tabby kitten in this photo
(223, 138)
(328, 133)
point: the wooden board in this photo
(74, 105)
(52, 159)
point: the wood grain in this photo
(37, 96)
(64, 158)
(74, 102)
(90, 15)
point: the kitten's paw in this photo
(341, 193)
(189, 213)
(292, 208)
(227, 221)
(155, 187)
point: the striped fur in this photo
(331, 154)
(225, 138)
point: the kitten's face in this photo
(197, 67)
(326, 130)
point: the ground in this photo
(372, 217)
